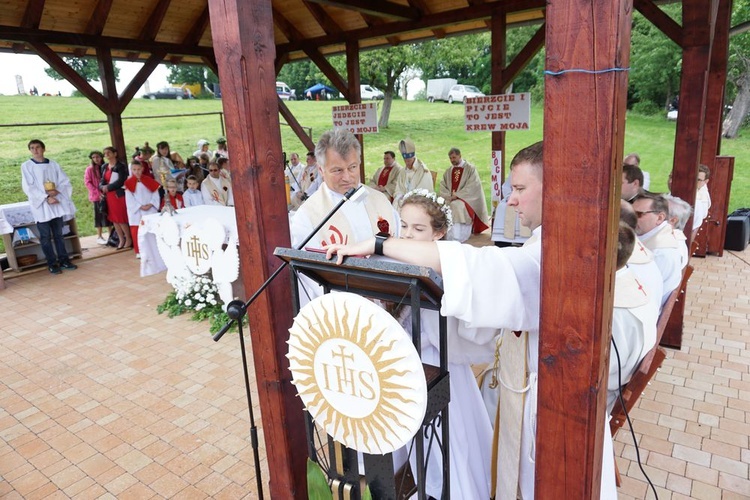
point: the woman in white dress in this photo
(427, 217)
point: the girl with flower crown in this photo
(427, 217)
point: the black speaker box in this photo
(738, 232)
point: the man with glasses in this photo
(217, 189)
(702, 197)
(657, 235)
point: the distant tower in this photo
(19, 85)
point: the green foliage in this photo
(87, 67)
(317, 482)
(646, 108)
(655, 61)
(190, 74)
(199, 296)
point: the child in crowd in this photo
(142, 198)
(92, 177)
(175, 198)
(203, 161)
(193, 196)
(194, 169)
(145, 158)
(427, 217)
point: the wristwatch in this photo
(379, 240)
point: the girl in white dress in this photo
(427, 217)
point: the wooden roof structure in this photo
(587, 61)
(135, 29)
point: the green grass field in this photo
(435, 128)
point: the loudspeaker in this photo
(738, 232)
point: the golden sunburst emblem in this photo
(357, 373)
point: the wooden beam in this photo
(660, 19)
(286, 27)
(498, 49)
(329, 25)
(295, 125)
(378, 8)
(243, 38)
(431, 21)
(198, 29)
(140, 78)
(32, 16)
(696, 54)
(114, 109)
(46, 37)
(739, 29)
(211, 63)
(578, 273)
(59, 65)
(329, 71)
(98, 18)
(717, 79)
(153, 22)
(524, 57)
(354, 93)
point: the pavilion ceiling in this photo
(134, 29)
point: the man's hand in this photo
(147, 207)
(361, 249)
(52, 192)
(52, 200)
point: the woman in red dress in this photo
(115, 174)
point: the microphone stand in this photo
(291, 172)
(236, 311)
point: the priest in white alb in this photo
(462, 186)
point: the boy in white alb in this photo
(192, 197)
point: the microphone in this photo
(236, 309)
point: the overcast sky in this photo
(31, 70)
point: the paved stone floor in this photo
(101, 397)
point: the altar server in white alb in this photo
(427, 217)
(657, 234)
(414, 175)
(141, 198)
(50, 197)
(472, 279)
(462, 187)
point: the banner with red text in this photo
(498, 113)
(357, 118)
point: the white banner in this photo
(497, 113)
(357, 118)
(496, 170)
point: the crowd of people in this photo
(387, 220)
(402, 215)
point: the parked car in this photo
(370, 92)
(284, 92)
(169, 93)
(461, 92)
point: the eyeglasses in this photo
(641, 214)
(213, 170)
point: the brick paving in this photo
(101, 397)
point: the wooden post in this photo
(698, 20)
(498, 49)
(243, 42)
(113, 109)
(583, 137)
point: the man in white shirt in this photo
(217, 189)
(702, 197)
(293, 172)
(632, 182)
(462, 187)
(309, 181)
(634, 159)
(50, 196)
(338, 159)
(657, 235)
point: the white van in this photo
(370, 92)
(284, 92)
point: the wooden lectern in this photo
(419, 288)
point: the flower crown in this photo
(439, 200)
